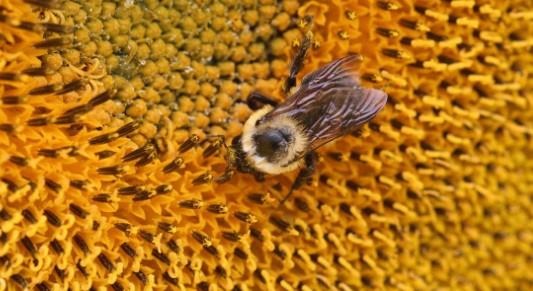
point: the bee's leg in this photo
(304, 175)
(231, 163)
(298, 61)
(257, 100)
(216, 142)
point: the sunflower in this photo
(106, 167)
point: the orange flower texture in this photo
(108, 173)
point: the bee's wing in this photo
(330, 102)
(334, 71)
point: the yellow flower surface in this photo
(105, 107)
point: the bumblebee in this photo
(328, 104)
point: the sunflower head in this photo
(105, 109)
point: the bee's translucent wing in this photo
(330, 102)
(335, 70)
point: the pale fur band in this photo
(287, 163)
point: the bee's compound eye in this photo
(269, 143)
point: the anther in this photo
(72, 86)
(259, 198)
(124, 227)
(166, 227)
(106, 263)
(78, 211)
(390, 33)
(100, 98)
(189, 143)
(82, 269)
(218, 208)
(173, 165)
(48, 4)
(128, 128)
(47, 89)
(42, 287)
(80, 242)
(387, 5)
(146, 159)
(173, 246)
(113, 170)
(18, 160)
(245, 217)
(38, 121)
(160, 256)
(52, 185)
(146, 236)
(163, 189)
(141, 276)
(19, 280)
(279, 223)
(28, 244)
(203, 179)
(256, 233)
(56, 246)
(128, 250)
(103, 197)
(240, 253)
(6, 127)
(12, 100)
(138, 153)
(144, 195)
(191, 204)
(101, 139)
(212, 148)
(169, 279)
(28, 215)
(231, 236)
(78, 110)
(53, 42)
(117, 286)
(104, 154)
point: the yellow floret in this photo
(109, 109)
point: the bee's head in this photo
(272, 145)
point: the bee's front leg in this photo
(236, 161)
(304, 175)
(231, 164)
(216, 142)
